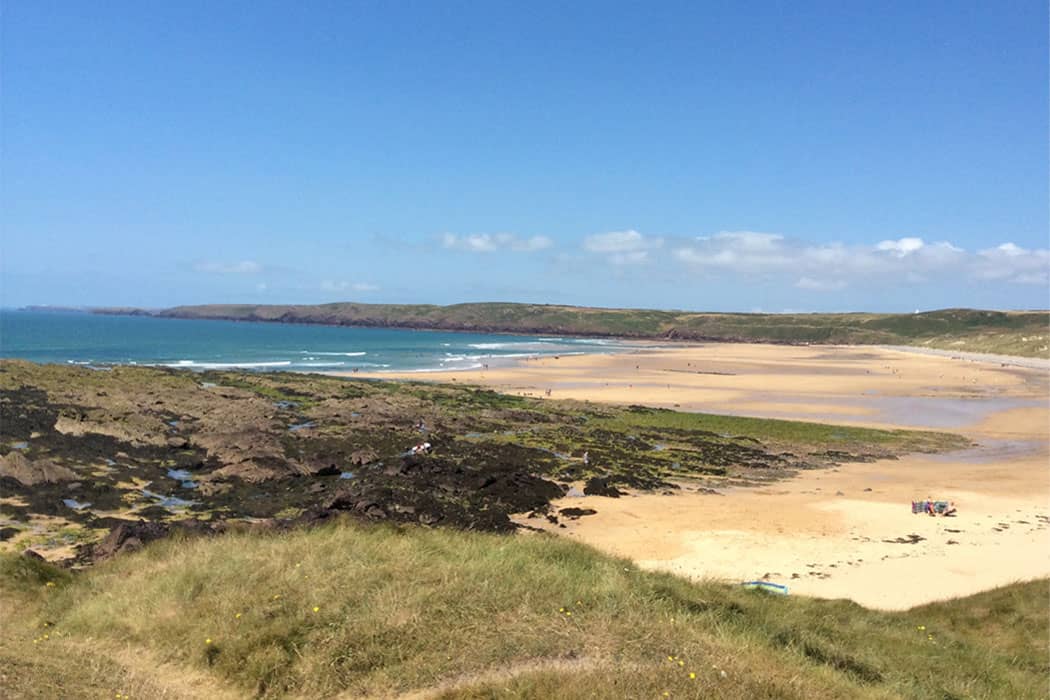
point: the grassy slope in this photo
(346, 611)
(1013, 333)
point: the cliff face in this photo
(1007, 332)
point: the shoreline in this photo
(1021, 331)
(841, 532)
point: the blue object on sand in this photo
(766, 586)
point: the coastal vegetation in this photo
(237, 534)
(84, 450)
(1024, 333)
(356, 610)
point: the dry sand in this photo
(846, 532)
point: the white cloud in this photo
(902, 246)
(623, 247)
(748, 240)
(245, 267)
(491, 242)
(1012, 263)
(739, 250)
(330, 286)
(824, 266)
(620, 242)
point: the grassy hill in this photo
(1024, 333)
(380, 611)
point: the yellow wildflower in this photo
(692, 676)
(237, 616)
(208, 640)
(681, 663)
(317, 608)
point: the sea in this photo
(100, 341)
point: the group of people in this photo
(931, 507)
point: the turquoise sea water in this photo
(93, 340)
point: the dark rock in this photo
(323, 469)
(600, 486)
(16, 466)
(30, 554)
(7, 533)
(576, 513)
(129, 536)
(363, 456)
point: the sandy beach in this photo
(846, 532)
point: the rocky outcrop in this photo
(365, 455)
(600, 486)
(26, 472)
(132, 536)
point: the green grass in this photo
(1024, 333)
(351, 611)
(789, 432)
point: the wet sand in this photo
(846, 532)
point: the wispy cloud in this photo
(816, 285)
(492, 242)
(1012, 263)
(832, 266)
(902, 246)
(245, 267)
(343, 286)
(623, 247)
(740, 250)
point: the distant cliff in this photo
(1009, 332)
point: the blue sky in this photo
(722, 156)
